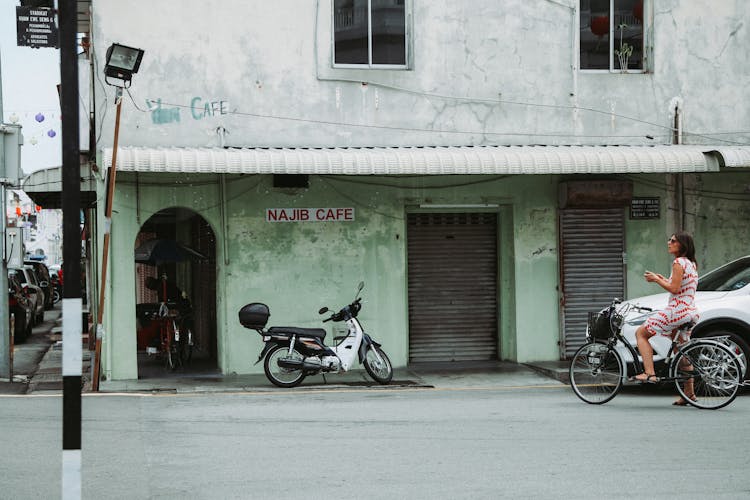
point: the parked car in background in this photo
(43, 279)
(21, 307)
(723, 302)
(27, 278)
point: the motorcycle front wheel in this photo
(378, 365)
(279, 376)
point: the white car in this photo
(723, 302)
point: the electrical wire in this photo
(662, 137)
(400, 128)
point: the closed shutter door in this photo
(452, 261)
(592, 267)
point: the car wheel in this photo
(737, 345)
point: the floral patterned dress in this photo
(681, 308)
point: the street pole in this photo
(6, 346)
(71, 201)
(105, 249)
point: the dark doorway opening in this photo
(176, 291)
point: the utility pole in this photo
(6, 346)
(71, 207)
(10, 168)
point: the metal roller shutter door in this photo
(452, 261)
(592, 267)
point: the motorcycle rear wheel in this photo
(282, 377)
(378, 365)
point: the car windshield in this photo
(732, 276)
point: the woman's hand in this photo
(652, 277)
(672, 285)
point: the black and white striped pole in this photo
(71, 201)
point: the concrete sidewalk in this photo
(38, 369)
(434, 375)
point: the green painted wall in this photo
(298, 267)
(716, 212)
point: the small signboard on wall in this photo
(36, 27)
(645, 208)
(345, 214)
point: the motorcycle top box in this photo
(254, 316)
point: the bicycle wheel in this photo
(186, 346)
(596, 373)
(171, 358)
(715, 370)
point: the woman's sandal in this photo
(683, 402)
(650, 379)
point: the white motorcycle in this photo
(291, 353)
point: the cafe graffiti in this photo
(310, 214)
(199, 110)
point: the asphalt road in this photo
(381, 443)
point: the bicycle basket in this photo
(604, 324)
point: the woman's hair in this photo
(687, 246)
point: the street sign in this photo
(36, 27)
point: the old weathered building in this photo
(491, 170)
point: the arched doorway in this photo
(185, 269)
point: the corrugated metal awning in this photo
(44, 186)
(438, 160)
(732, 156)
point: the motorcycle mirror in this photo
(322, 310)
(361, 286)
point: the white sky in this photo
(29, 79)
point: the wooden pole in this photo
(105, 250)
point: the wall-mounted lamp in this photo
(122, 63)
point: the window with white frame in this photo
(612, 35)
(369, 33)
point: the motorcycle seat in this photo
(301, 332)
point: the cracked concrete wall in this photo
(227, 72)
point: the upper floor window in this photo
(369, 33)
(612, 35)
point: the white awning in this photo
(733, 156)
(439, 160)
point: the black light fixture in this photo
(122, 63)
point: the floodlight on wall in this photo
(122, 63)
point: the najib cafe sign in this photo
(309, 214)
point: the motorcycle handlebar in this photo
(352, 309)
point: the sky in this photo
(29, 94)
